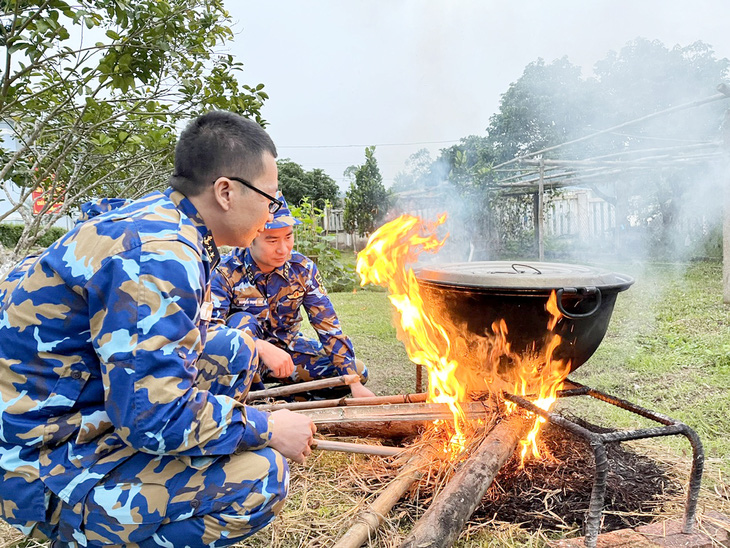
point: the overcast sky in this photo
(408, 74)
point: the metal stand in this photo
(598, 440)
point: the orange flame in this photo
(539, 377)
(384, 262)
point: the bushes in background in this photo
(10, 234)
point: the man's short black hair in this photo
(219, 144)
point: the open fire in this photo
(535, 374)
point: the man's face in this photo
(272, 248)
(253, 211)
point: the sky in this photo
(409, 74)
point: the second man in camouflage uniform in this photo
(262, 291)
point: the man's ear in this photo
(223, 193)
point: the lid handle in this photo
(515, 265)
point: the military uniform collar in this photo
(186, 206)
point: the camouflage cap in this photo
(283, 217)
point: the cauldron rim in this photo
(525, 276)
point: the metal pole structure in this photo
(726, 214)
(540, 213)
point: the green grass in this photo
(668, 349)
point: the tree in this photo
(546, 106)
(94, 91)
(297, 185)
(646, 77)
(367, 201)
(551, 104)
(417, 173)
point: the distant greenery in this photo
(296, 184)
(367, 201)
(550, 104)
(10, 234)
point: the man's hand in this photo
(359, 391)
(292, 434)
(277, 360)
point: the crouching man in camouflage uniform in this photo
(262, 290)
(110, 433)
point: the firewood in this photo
(344, 402)
(363, 449)
(390, 421)
(442, 523)
(298, 387)
(369, 521)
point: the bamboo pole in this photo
(344, 402)
(400, 412)
(296, 388)
(369, 521)
(361, 448)
(391, 421)
(442, 523)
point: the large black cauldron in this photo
(471, 296)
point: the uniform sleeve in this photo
(144, 307)
(324, 320)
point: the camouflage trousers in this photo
(174, 501)
(311, 365)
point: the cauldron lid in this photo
(522, 275)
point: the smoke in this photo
(648, 189)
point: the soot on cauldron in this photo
(468, 298)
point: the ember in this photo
(553, 493)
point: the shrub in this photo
(311, 241)
(10, 234)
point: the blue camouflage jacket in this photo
(98, 347)
(275, 300)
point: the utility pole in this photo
(541, 213)
(725, 180)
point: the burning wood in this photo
(443, 348)
(443, 521)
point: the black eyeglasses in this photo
(274, 205)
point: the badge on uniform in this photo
(206, 311)
(320, 281)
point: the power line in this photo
(370, 145)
